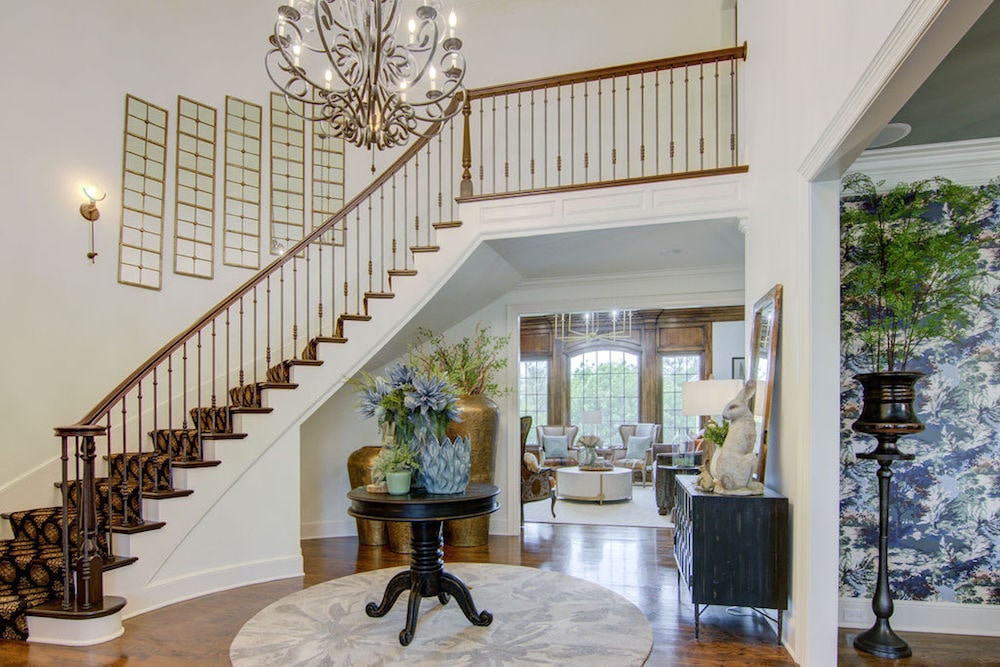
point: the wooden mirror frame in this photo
(763, 359)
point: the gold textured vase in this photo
(359, 472)
(479, 417)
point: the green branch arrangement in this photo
(471, 365)
(911, 268)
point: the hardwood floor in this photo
(635, 562)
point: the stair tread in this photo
(172, 493)
(223, 436)
(402, 272)
(424, 248)
(53, 609)
(196, 464)
(304, 362)
(379, 295)
(355, 317)
(329, 339)
(447, 224)
(237, 410)
(143, 527)
(278, 385)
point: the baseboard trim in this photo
(944, 617)
(206, 582)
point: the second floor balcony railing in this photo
(655, 120)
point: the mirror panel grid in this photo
(241, 212)
(287, 175)
(144, 155)
(763, 362)
(327, 182)
(194, 201)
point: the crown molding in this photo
(972, 162)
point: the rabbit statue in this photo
(733, 464)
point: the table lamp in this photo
(706, 398)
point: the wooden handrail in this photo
(119, 392)
(719, 55)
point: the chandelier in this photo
(341, 63)
(589, 327)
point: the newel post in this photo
(465, 188)
(85, 561)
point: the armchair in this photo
(633, 459)
(562, 457)
(537, 483)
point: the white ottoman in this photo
(600, 485)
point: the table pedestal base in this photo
(426, 578)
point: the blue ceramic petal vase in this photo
(446, 464)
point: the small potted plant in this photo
(395, 464)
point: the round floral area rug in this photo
(539, 618)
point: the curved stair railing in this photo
(656, 120)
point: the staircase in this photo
(190, 424)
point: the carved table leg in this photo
(399, 583)
(458, 589)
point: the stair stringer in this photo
(241, 525)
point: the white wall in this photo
(813, 79)
(728, 341)
(71, 331)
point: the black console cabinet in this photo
(732, 550)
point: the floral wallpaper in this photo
(944, 536)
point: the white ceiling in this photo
(675, 246)
(961, 98)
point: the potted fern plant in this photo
(911, 272)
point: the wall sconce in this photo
(89, 211)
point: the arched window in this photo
(604, 380)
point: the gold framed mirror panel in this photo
(763, 362)
(144, 166)
(288, 164)
(241, 210)
(194, 201)
(327, 182)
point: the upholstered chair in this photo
(559, 450)
(537, 482)
(638, 454)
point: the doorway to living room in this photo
(591, 385)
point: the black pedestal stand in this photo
(886, 413)
(880, 639)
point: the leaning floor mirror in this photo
(763, 358)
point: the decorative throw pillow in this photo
(637, 446)
(644, 429)
(555, 446)
(530, 462)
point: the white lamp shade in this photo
(592, 417)
(708, 397)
